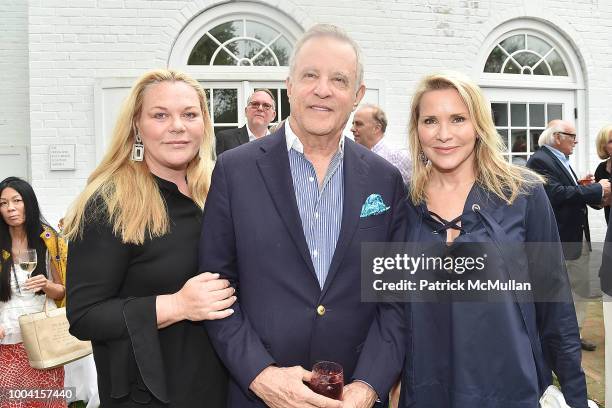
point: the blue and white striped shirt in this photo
(320, 209)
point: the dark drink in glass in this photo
(327, 379)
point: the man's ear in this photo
(288, 86)
(359, 95)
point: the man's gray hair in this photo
(547, 137)
(329, 30)
(378, 115)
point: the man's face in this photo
(564, 142)
(366, 130)
(260, 110)
(322, 87)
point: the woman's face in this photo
(12, 207)
(609, 144)
(446, 131)
(171, 126)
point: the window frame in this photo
(574, 80)
(210, 18)
(569, 52)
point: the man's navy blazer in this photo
(252, 235)
(230, 138)
(568, 200)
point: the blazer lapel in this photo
(560, 166)
(276, 173)
(355, 169)
(243, 135)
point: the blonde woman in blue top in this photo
(478, 353)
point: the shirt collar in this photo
(378, 146)
(252, 135)
(560, 155)
(293, 141)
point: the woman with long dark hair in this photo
(23, 228)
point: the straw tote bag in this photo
(47, 341)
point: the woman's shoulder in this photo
(601, 172)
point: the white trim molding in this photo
(208, 19)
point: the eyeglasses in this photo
(570, 135)
(256, 105)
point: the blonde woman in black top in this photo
(603, 142)
(133, 287)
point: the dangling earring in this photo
(137, 149)
(423, 158)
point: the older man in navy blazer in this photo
(284, 221)
(569, 200)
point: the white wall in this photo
(75, 42)
(14, 105)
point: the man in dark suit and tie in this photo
(569, 200)
(284, 221)
(260, 111)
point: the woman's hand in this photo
(203, 297)
(55, 291)
(36, 283)
(2, 333)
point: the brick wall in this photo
(14, 105)
(73, 42)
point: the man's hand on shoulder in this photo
(358, 395)
(282, 387)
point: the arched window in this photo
(525, 54)
(531, 75)
(241, 42)
(233, 49)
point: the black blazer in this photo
(568, 200)
(230, 138)
(605, 272)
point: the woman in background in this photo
(22, 227)
(603, 143)
(133, 286)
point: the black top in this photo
(112, 289)
(602, 173)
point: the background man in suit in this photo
(569, 200)
(284, 221)
(369, 126)
(260, 111)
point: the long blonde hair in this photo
(493, 172)
(129, 192)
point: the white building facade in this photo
(67, 64)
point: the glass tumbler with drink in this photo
(586, 180)
(327, 379)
